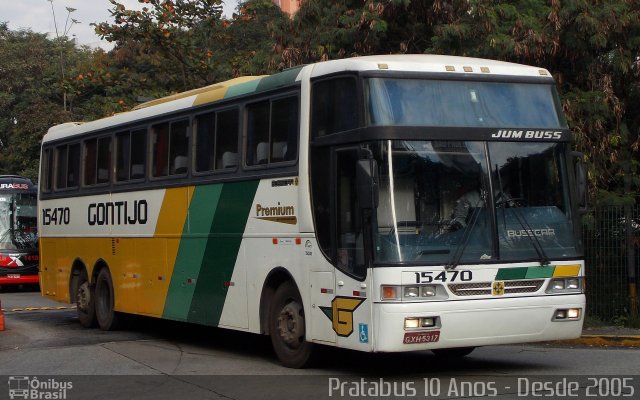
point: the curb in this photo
(603, 341)
(13, 310)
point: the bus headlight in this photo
(565, 285)
(412, 292)
(421, 323)
(569, 314)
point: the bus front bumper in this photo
(471, 323)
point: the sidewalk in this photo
(607, 336)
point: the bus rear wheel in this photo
(287, 327)
(457, 352)
(85, 305)
(108, 318)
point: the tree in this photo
(591, 47)
(30, 99)
(183, 34)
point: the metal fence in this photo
(609, 256)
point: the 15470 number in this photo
(56, 216)
(443, 276)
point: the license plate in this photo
(421, 337)
(13, 276)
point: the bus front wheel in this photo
(287, 327)
(85, 304)
(107, 317)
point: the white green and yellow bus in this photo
(382, 204)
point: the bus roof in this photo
(428, 63)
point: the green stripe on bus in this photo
(540, 272)
(221, 252)
(191, 251)
(242, 88)
(507, 274)
(284, 78)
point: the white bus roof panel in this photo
(427, 63)
(74, 128)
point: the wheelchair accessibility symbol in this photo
(364, 333)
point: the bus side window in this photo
(67, 166)
(272, 131)
(47, 170)
(89, 161)
(205, 139)
(160, 149)
(73, 169)
(284, 129)
(138, 169)
(97, 161)
(178, 147)
(257, 133)
(104, 160)
(226, 148)
(61, 167)
(334, 106)
(122, 156)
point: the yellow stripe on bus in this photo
(158, 259)
(566, 270)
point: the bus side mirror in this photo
(367, 182)
(581, 182)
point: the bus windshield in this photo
(445, 202)
(422, 102)
(18, 221)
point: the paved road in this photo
(154, 359)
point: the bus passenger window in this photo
(104, 160)
(284, 129)
(272, 131)
(205, 138)
(90, 149)
(226, 149)
(61, 167)
(47, 175)
(122, 156)
(138, 154)
(257, 133)
(160, 149)
(73, 168)
(178, 147)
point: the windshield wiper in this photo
(466, 235)
(506, 199)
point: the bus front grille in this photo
(484, 288)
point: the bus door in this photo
(352, 213)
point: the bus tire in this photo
(85, 300)
(287, 327)
(457, 352)
(108, 318)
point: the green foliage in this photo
(252, 38)
(30, 98)
(592, 47)
(182, 33)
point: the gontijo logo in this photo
(341, 314)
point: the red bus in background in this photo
(19, 257)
